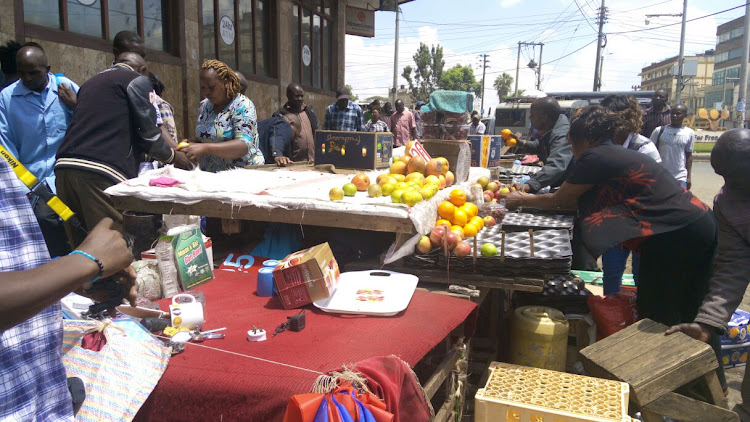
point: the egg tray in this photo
(521, 169)
(548, 244)
(515, 221)
(510, 267)
(552, 255)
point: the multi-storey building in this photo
(698, 70)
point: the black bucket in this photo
(141, 230)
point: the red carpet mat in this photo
(204, 384)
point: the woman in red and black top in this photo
(625, 196)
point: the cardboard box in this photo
(737, 333)
(485, 150)
(356, 150)
(734, 354)
(306, 276)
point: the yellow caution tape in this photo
(31, 181)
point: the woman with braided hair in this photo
(227, 131)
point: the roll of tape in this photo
(256, 335)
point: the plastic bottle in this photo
(167, 268)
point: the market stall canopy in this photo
(372, 4)
(450, 101)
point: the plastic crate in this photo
(523, 394)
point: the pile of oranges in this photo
(462, 217)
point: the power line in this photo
(677, 23)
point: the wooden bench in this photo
(662, 371)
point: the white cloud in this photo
(508, 3)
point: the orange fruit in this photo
(506, 134)
(459, 231)
(398, 167)
(443, 222)
(446, 210)
(416, 164)
(446, 165)
(477, 221)
(511, 142)
(457, 197)
(470, 230)
(460, 218)
(473, 208)
(399, 177)
(442, 181)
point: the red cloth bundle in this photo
(330, 407)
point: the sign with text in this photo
(707, 136)
(360, 22)
(355, 150)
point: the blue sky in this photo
(469, 28)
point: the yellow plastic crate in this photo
(524, 394)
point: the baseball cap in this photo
(342, 93)
(420, 103)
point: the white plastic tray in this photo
(374, 292)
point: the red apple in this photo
(462, 249)
(489, 221)
(492, 186)
(424, 244)
(436, 235)
(488, 198)
(452, 240)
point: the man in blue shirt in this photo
(344, 115)
(33, 122)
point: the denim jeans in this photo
(613, 265)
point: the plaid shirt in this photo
(653, 119)
(379, 126)
(349, 119)
(32, 376)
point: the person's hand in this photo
(522, 188)
(181, 161)
(513, 200)
(693, 329)
(126, 281)
(282, 161)
(195, 151)
(67, 95)
(108, 246)
(689, 184)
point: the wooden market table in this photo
(219, 209)
(235, 379)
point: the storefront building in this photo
(272, 42)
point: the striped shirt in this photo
(34, 384)
(349, 119)
(653, 119)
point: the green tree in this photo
(368, 100)
(425, 76)
(461, 78)
(502, 85)
(352, 97)
(518, 93)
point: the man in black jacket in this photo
(552, 147)
(275, 139)
(113, 127)
(302, 117)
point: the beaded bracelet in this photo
(96, 260)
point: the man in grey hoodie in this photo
(730, 158)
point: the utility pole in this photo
(395, 61)
(600, 39)
(681, 60)
(518, 63)
(539, 69)
(742, 97)
(484, 71)
(532, 65)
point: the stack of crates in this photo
(524, 394)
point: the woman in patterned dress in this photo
(227, 131)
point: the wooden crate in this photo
(451, 150)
